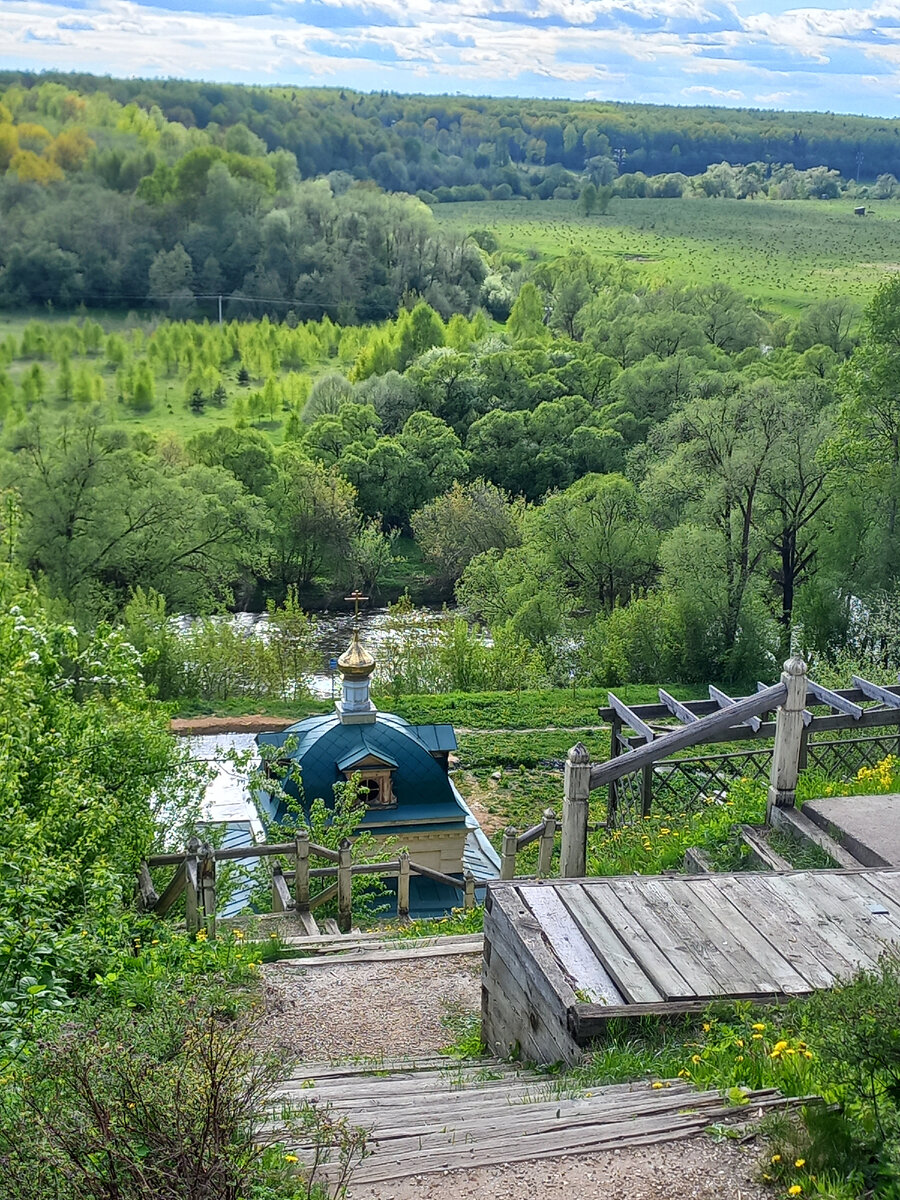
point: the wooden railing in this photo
(513, 842)
(195, 878)
(582, 777)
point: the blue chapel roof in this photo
(326, 748)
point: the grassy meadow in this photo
(782, 255)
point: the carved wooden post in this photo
(508, 853)
(207, 888)
(576, 796)
(403, 886)
(788, 738)
(301, 876)
(191, 909)
(545, 848)
(345, 887)
(469, 890)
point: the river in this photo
(378, 628)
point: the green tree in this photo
(313, 518)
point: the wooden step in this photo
(428, 1118)
(793, 821)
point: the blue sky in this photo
(754, 53)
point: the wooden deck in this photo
(562, 957)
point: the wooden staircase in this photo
(438, 1114)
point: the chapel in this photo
(407, 788)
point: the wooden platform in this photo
(442, 1116)
(564, 956)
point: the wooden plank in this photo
(640, 943)
(762, 853)
(807, 715)
(559, 1139)
(609, 946)
(697, 908)
(630, 718)
(780, 970)
(840, 899)
(575, 954)
(832, 946)
(172, 892)
(589, 1021)
(833, 699)
(525, 995)
(339, 958)
(697, 861)
(706, 971)
(541, 967)
(885, 883)
(780, 926)
(873, 896)
(888, 696)
(511, 1021)
(689, 735)
(677, 709)
(726, 702)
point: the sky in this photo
(747, 53)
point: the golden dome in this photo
(356, 662)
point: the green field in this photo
(782, 255)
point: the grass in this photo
(804, 856)
(782, 255)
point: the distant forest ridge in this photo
(416, 143)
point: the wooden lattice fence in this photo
(843, 731)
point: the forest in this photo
(119, 194)
(664, 475)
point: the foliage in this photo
(170, 1102)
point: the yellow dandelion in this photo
(707, 1027)
(757, 1037)
(795, 1190)
(759, 1026)
(695, 1058)
(775, 1158)
(799, 1162)
(291, 1158)
(656, 1084)
(740, 1058)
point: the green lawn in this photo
(783, 255)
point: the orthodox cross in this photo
(356, 597)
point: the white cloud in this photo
(713, 92)
(605, 49)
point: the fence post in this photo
(345, 887)
(508, 853)
(207, 889)
(646, 790)
(403, 886)
(469, 891)
(788, 738)
(576, 796)
(615, 748)
(277, 901)
(301, 875)
(191, 908)
(545, 848)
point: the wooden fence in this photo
(836, 740)
(648, 763)
(195, 876)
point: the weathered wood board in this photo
(423, 1119)
(564, 956)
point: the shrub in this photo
(174, 1104)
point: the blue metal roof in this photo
(325, 748)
